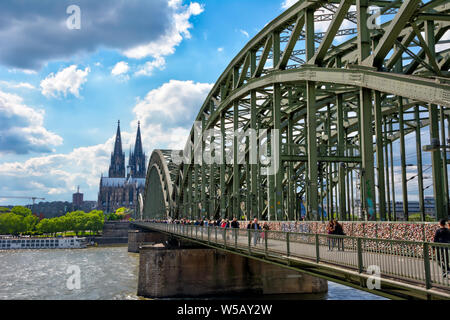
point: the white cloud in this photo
(17, 85)
(220, 49)
(148, 67)
(120, 68)
(245, 33)
(21, 127)
(444, 46)
(322, 26)
(167, 113)
(26, 71)
(288, 3)
(166, 44)
(67, 80)
(174, 103)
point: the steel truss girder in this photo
(290, 96)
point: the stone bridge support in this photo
(137, 238)
(184, 270)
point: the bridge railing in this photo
(418, 262)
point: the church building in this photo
(122, 188)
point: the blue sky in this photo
(62, 91)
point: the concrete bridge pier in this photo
(137, 238)
(186, 270)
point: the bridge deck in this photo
(403, 269)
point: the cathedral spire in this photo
(138, 144)
(118, 144)
(137, 158)
(117, 167)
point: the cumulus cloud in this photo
(67, 80)
(120, 68)
(175, 103)
(21, 127)
(36, 31)
(57, 174)
(165, 45)
(148, 68)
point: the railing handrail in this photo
(319, 234)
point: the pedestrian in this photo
(235, 226)
(254, 226)
(223, 224)
(330, 230)
(339, 230)
(266, 228)
(442, 235)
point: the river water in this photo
(106, 273)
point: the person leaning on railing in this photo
(442, 235)
(339, 230)
(330, 230)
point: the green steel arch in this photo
(338, 106)
(159, 189)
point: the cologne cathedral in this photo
(122, 188)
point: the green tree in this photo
(4, 210)
(113, 216)
(11, 223)
(30, 222)
(42, 226)
(20, 210)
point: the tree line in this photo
(20, 220)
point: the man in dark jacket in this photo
(442, 235)
(235, 223)
(254, 226)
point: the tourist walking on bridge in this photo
(442, 235)
(255, 227)
(266, 228)
(235, 227)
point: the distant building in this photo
(122, 189)
(413, 207)
(59, 208)
(77, 199)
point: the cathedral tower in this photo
(136, 162)
(117, 166)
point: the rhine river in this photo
(106, 273)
